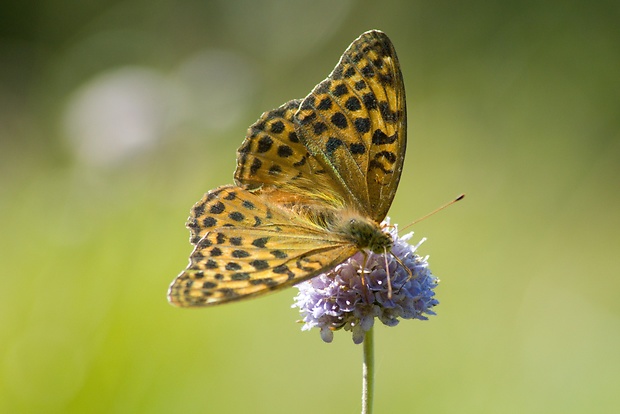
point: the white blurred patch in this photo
(116, 115)
(125, 111)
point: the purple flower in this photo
(337, 299)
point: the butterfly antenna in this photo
(437, 210)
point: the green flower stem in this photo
(368, 373)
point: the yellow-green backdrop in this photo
(116, 116)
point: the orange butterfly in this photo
(314, 179)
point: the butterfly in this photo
(314, 179)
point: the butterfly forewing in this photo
(245, 246)
(354, 123)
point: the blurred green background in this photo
(116, 116)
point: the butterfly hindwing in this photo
(273, 156)
(249, 247)
(272, 152)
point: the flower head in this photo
(338, 299)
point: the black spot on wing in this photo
(332, 145)
(233, 266)
(340, 89)
(357, 148)
(325, 104)
(260, 242)
(285, 151)
(319, 128)
(256, 165)
(217, 208)
(278, 126)
(240, 254)
(264, 144)
(240, 276)
(259, 264)
(370, 101)
(236, 216)
(380, 138)
(353, 104)
(362, 125)
(199, 210)
(339, 120)
(209, 222)
(279, 254)
(216, 251)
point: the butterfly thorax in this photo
(364, 233)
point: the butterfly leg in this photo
(363, 268)
(363, 271)
(400, 262)
(387, 272)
